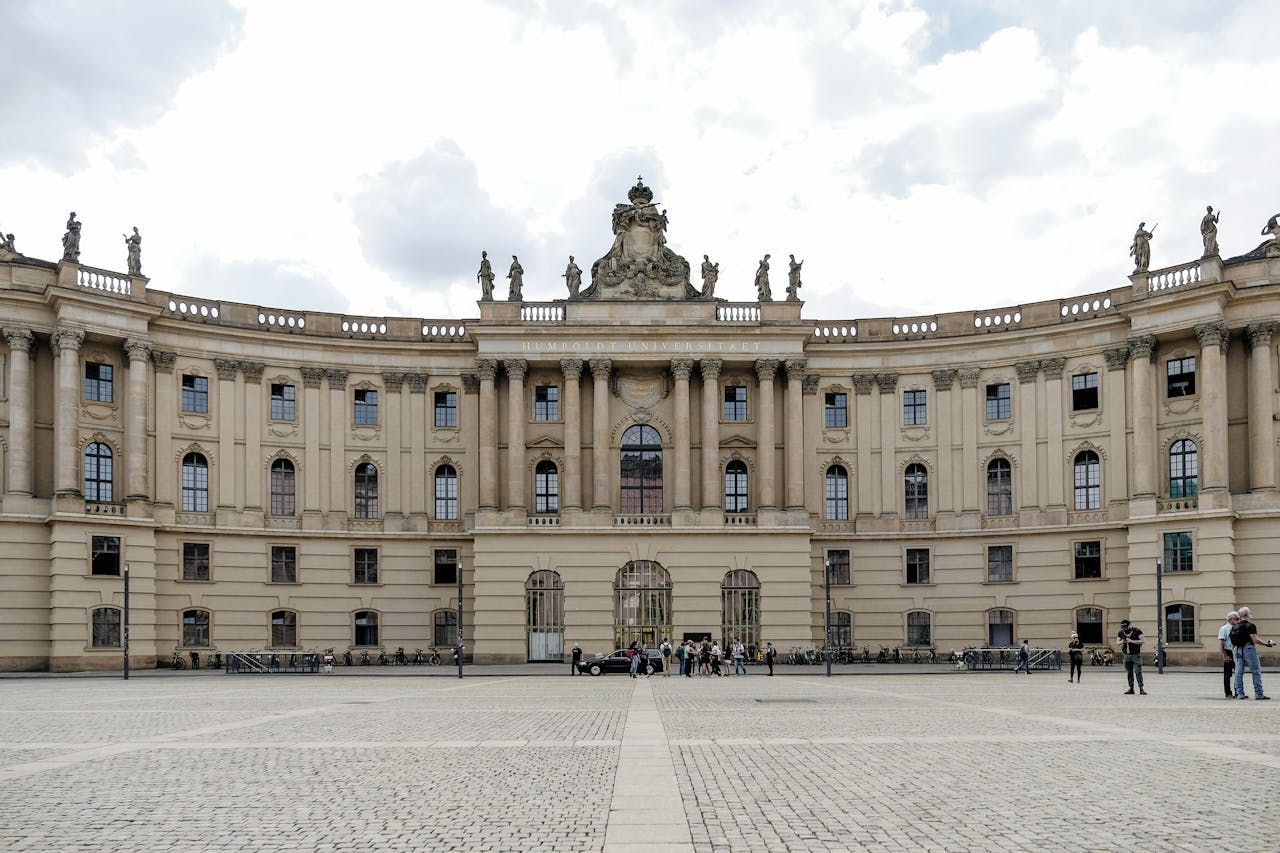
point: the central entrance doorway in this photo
(641, 604)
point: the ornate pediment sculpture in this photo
(639, 265)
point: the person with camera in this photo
(1130, 640)
(1244, 639)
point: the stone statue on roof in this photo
(710, 273)
(133, 243)
(1140, 249)
(7, 250)
(71, 240)
(485, 277)
(1209, 231)
(639, 265)
(516, 274)
(793, 279)
(573, 278)
(763, 292)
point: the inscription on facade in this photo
(640, 346)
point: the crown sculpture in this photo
(639, 265)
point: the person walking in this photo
(1244, 637)
(1024, 659)
(634, 654)
(739, 657)
(1228, 653)
(769, 654)
(575, 658)
(665, 648)
(1075, 651)
(680, 651)
(690, 659)
(1130, 640)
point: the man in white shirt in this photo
(739, 658)
(1228, 653)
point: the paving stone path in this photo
(945, 762)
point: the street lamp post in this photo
(1159, 618)
(458, 650)
(826, 572)
(124, 636)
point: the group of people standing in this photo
(1239, 641)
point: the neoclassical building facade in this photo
(638, 460)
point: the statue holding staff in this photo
(763, 293)
(485, 277)
(793, 280)
(1140, 249)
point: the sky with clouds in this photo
(920, 156)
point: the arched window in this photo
(1184, 469)
(284, 629)
(999, 628)
(446, 494)
(106, 628)
(999, 487)
(837, 494)
(546, 487)
(841, 629)
(641, 470)
(544, 615)
(284, 488)
(1089, 625)
(195, 483)
(445, 624)
(366, 490)
(1088, 472)
(641, 603)
(1180, 623)
(919, 628)
(97, 472)
(366, 628)
(917, 490)
(195, 628)
(735, 486)
(740, 608)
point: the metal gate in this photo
(740, 609)
(544, 616)
(641, 604)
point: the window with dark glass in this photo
(195, 561)
(195, 483)
(446, 628)
(366, 490)
(1088, 480)
(839, 567)
(98, 386)
(915, 408)
(999, 405)
(919, 628)
(446, 566)
(999, 628)
(366, 407)
(97, 472)
(999, 487)
(836, 411)
(999, 563)
(1184, 469)
(837, 494)
(546, 403)
(195, 628)
(546, 487)
(106, 628)
(1177, 553)
(641, 480)
(366, 628)
(284, 402)
(284, 629)
(104, 555)
(916, 482)
(918, 565)
(1088, 560)
(1089, 625)
(366, 565)
(841, 629)
(446, 493)
(735, 486)
(735, 403)
(195, 394)
(1084, 391)
(446, 409)
(1180, 623)
(284, 488)
(284, 564)
(1181, 376)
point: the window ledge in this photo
(998, 583)
(357, 583)
(193, 580)
(111, 577)
(909, 584)
(283, 583)
(1087, 580)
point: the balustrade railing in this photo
(544, 521)
(642, 521)
(740, 519)
(105, 508)
(1171, 277)
(738, 312)
(1179, 504)
(104, 280)
(542, 312)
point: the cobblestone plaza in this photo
(908, 760)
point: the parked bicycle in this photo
(400, 658)
(176, 662)
(213, 660)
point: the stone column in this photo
(766, 369)
(393, 382)
(571, 477)
(1144, 416)
(970, 475)
(340, 404)
(166, 412)
(253, 421)
(711, 492)
(420, 483)
(226, 404)
(1026, 419)
(1116, 474)
(600, 368)
(681, 369)
(311, 474)
(517, 482)
(135, 420)
(1054, 460)
(1262, 445)
(941, 491)
(487, 370)
(889, 419)
(862, 499)
(795, 433)
(22, 423)
(66, 343)
(1214, 340)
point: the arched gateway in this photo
(544, 616)
(641, 604)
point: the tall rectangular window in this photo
(195, 394)
(366, 565)
(918, 565)
(1177, 553)
(366, 407)
(284, 564)
(546, 403)
(446, 409)
(446, 566)
(839, 568)
(284, 402)
(1084, 391)
(104, 556)
(999, 405)
(98, 387)
(735, 403)
(999, 564)
(1088, 560)
(836, 411)
(1182, 376)
(915, 408)
(195, 561)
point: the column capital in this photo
(888, 382)
(969, 376)
(20, 340)
(710, 368)
(810, 383)
(337, 379)
(682, 368)
(571, 369)
(600, 368)
(1117, 357)
(66, 338)
(1053, 367)
(226, 368)
(795, 368)
(163, 360)
(1214, 334)
(252, 370)
(516, 368)
(137, 349)
(766, 369)
(392, 380)
(1141, 347)
(312, 376)
(487, 368)
(862, 382)
(470, 383)
(1259, 334)
(417, 382)
(1027, 371)
(943, 379)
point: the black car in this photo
(618, 662)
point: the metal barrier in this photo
(238, 663)
(982, 659)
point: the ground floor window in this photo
(1000, 628)
(284, 629)
(544, 615)
(1089, 625)
(195, 628)
(366, 628)
(1180, 623)
(106, 628)
(740, 608)
(445, 631)
(641, 604)
(841, 629)
(919, 628)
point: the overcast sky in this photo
(920, 156)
